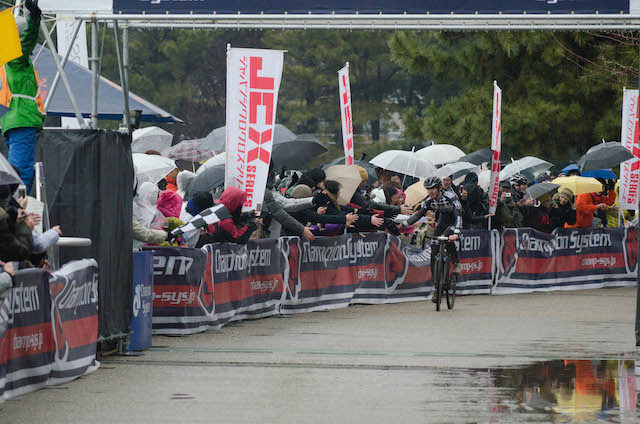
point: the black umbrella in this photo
(542, 190)
(216, 139)
(208, 180)
(603, 156)
(370, 168)
(478, 157)
(296, 152)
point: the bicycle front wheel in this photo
(451, 290)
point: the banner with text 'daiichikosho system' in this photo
(253, 81)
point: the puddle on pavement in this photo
(568, 391)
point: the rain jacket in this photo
(21, 78)
(231, 230)
(16, 242)
(612, 214)
(586, 206)
(561, 215)
(147, 219)
(170, 204)
(277, 218)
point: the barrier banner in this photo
(27, 347)
(246, 281)
(334, 272)
(74, 319)
(253, 81)
(496, 137)
(344, 88)
(476, 262)
(568, 259)
(630, 170)
(180, 299)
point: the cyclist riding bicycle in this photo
(448, 211)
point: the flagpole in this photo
(637, 329)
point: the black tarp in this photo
(89, 185)
(371, 6)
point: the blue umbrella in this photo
(607, 174)
(110, 94)
(572, 167)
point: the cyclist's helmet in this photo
(432, 182)
(518, 179)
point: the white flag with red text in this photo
(496, 134)
(345, 112)
(630, 170)
(253, 81)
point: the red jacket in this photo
(170, 204)
(227, 230)
(586, 206)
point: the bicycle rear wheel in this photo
(451, 290)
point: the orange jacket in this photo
(586, 206)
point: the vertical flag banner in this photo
(630, 170)
(253, 81)
(496, 133)
(345, 112)
(10, 48)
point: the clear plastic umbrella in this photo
(216, 140)
(151, 168)
(456, 170)
(527, 163)
(150, 138)
(188, 150)
(218, 159)
(440, 154)
(349, 178)
(404, 162)
(8, 175)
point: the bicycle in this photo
(444, 280)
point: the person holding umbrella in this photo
(590, 203)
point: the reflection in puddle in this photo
(572, 390)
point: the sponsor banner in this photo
(337, 271)
(246, 281)
(496, 137)
(371, 6)
(630, 170)
(346, 114)
(48, 328)
(476, 262)
(568, 259)
(28, 346)
(74, 319)
(180, 297)
(140, 337)
(253, 81)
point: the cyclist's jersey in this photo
(448, 211)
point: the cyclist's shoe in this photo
(457, 268)
(433, 298)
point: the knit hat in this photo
(301, 191)
(363, 173)
(566, 193)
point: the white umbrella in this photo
(527, 163)
(484, 178)
(151, 168)
(218, 159)
(150, 138)
(453, 169)
(440, 154)
(349, 178)
(404, 162)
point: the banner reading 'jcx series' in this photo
(346, 114)
(253, 81)
(496, 134)
(630, 170)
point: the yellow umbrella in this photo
(579, 185)
(349, 178)
(415, 193)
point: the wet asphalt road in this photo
(553, 357)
